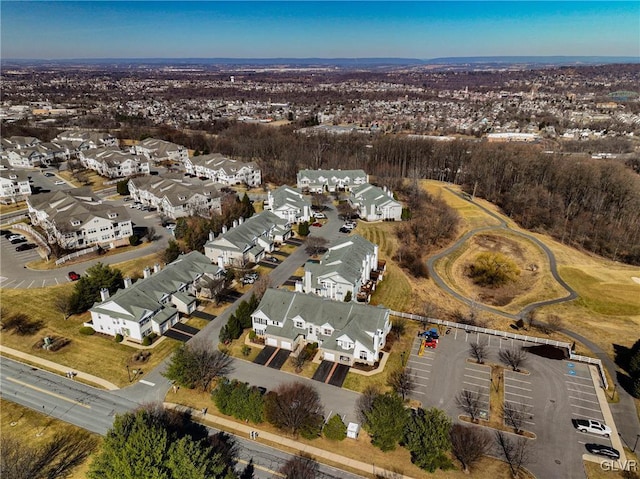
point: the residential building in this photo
(112, 162)
(289, 204)
(154, 303)
(77, 219)
(224, 170)
(345, 332)
(83, 140)
(160, 150)
(346, 267)
(249, 240)
(319, 181)
(374, 203)
(14, 185)
(23, 157)
(174, 197)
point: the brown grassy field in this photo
(84, 353)
(25, 423)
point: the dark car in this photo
(18, 240)
(5, 233)
(316, 224)
(345, 230)
(73, 276)
(602, 450)
(25, 247)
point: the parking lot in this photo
(551, 392)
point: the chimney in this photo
(240, 220)
(156, 268)
(127, 282)
(146, 272)
(212, 235)
(235, 223)
(104, 294)
(220, 262)
(224, 229)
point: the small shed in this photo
(352, 430)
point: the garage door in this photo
(286, 345)
(329, 357)
(272, 342)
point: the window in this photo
(259, 321)
(327, 332)
(364, 355)
(75, 223)
(299, 324)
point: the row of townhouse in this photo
(174, 197)
(77, 219)
(345, 269)
(289, 204)
(320, 181)
(160, 150)
(345, 332)
(373, 203)
(85, 140)
(29, 152)
(249, 240)
(14, 184)
(112, 162)
(224, 170)
(154, 303)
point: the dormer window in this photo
(75, 223)
(13, 177)
(113, 215)
(182, 198)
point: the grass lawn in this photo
(16, 420)
(131, 266)
(10, 208)
(84, 353)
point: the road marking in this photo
(581, 392)
(2, 278)
(56, 280)
(573, 376)
(582, 415)
(518, 387)
(422, 377)
(419, 369)
(31, 284)
(480, 393)
(18, 285)
(587, 408)
(476, 377)
(518, 380)
(43, 281)
(519, 395)
(583, 400)
(483, 386)
(419, 392)
(59, 396)
(262, 468)
(529, 413)
(147, 383)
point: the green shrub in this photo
(134, 240)
(348, 297)
(335, 429)
(146, 341)
(493, 269)
(119, 338)
(252, 335)
(87, 330)
(246, 350)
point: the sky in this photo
(306, 29)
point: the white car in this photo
(594, 427)
(60, 182)
(15, 237)
(320, 216)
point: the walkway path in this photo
(625, 410)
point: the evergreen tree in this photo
(87, 288)
(386, 421)
(427, 437)
(335, 429)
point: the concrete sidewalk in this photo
(317, 453)
(58, 367)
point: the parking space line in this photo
(519, 395)
(18, 285)
(517, 380)
(480, 393)
(476, 384)
(419, 392)
(582, 415)
(521, 403)
(417, 368)
(476, 377)
(578, 377)
(56, 280)
(518, 387)
(587, 408)
(583, 400)
(422, 377)
(581, 392)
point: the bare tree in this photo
(315, 245)
(517, 452)
(261, 285)
(515, 414)
(469, 402)
(55, 459)
(296, 408)
(299, 467)
(402, 381)
(62, 303)
(514, 357)
(318, 200)
(479, 351)
(469, 444)
(196, 364)
(365, 402)
(399, 326)
(345, 210)
(551, 325)
(150, 234)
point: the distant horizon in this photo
(73, 30)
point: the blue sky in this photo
(174, 29)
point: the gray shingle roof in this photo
(287, 196)
(244, 235)
(344, 258)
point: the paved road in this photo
(95, 409)
(624, 411)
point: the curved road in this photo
(625, 413)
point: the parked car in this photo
(5, 233)
(431, 334)
(345, 230)
(25, 247)
(602, 450)
(170, 226)
(248, 280)
(316, 224)
(73, 276)
(12, 237)
(592, 426)
(273, 260)
(320, 216)
(60, 182)
(127, 198)
(21, 239)
(48, 174)
(431, 343)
